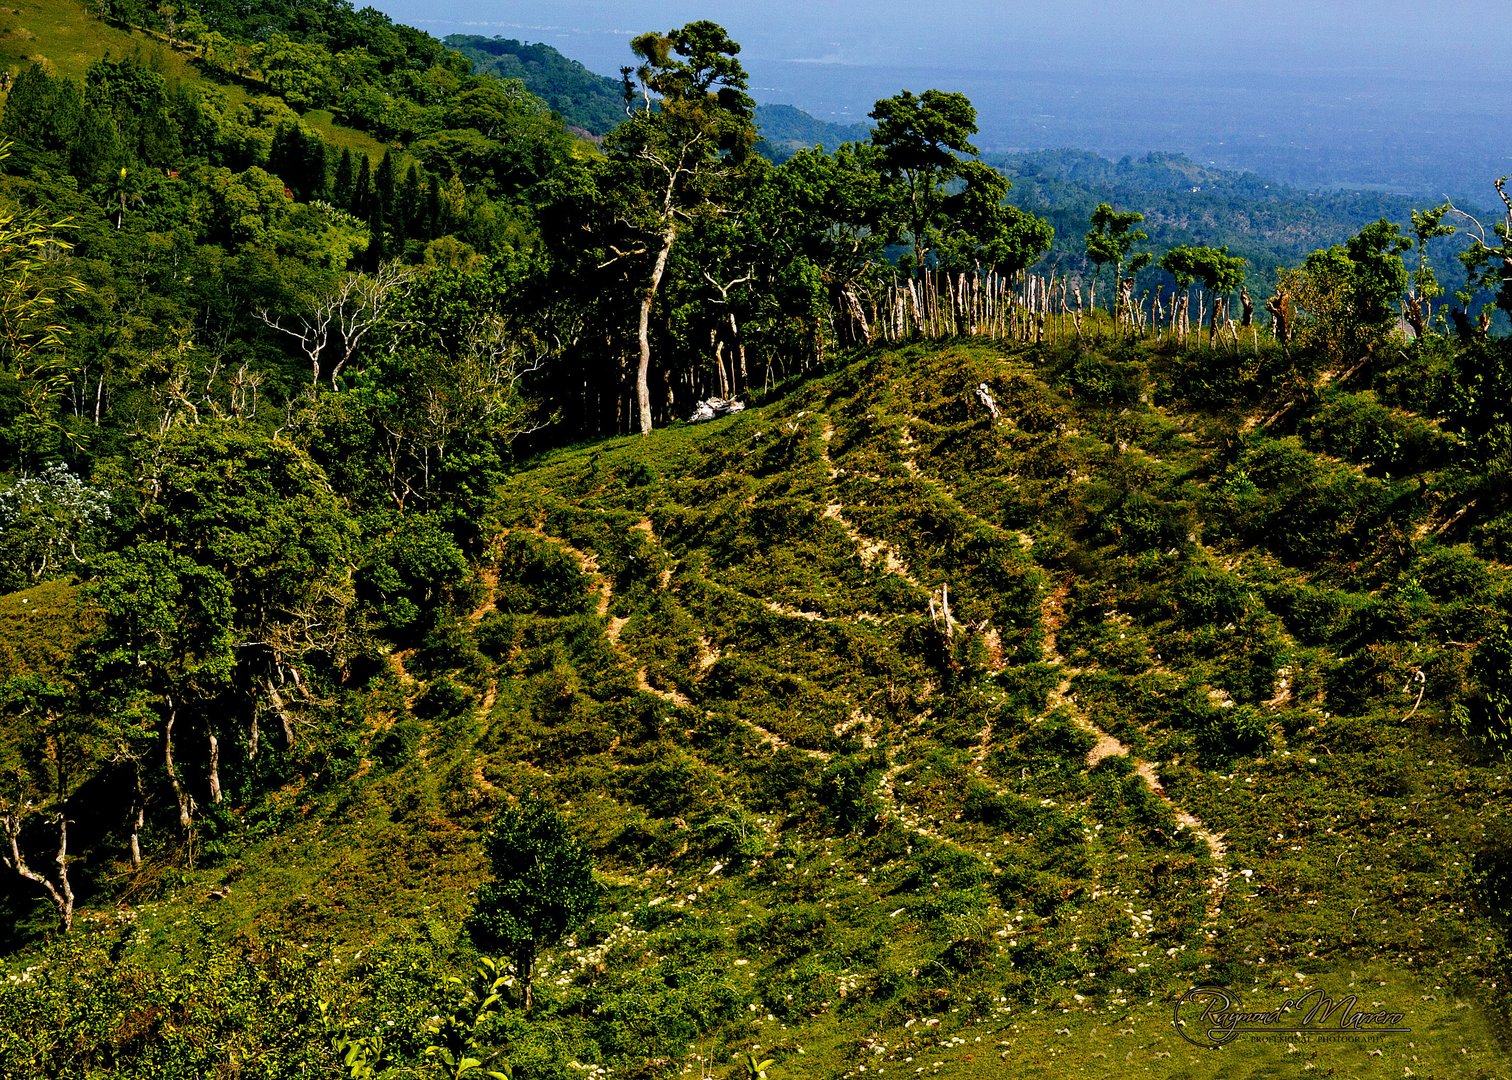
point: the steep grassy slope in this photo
(1161, 738)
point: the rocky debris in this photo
(713, 408)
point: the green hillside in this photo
(1163, 738)
(65, 39)
(1271, 225)
(396, 684)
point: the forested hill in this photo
(395, 682)
(1271, 225)
(584, 99)
(596, 103)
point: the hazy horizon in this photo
(1319, 94)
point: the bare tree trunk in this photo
(61, 894)
(1415, 315)
(648, 297)
(215, 784)
(185, 800)
(138, 815)
(283, 713)
(524, 971)
(737, 356)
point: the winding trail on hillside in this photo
(613, 626)
(1052, 616)
(871, 550)
(489, 576)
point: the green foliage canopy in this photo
(543, 887)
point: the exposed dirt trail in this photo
(1052, 616)
(870, 550)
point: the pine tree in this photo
(435, 211)
(95, 152)
(361, 203)
(408, 207)
(315, 178)
(345, 182)
(384, 186)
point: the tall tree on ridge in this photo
(1109, 240)
(687, 140)
(918, 137)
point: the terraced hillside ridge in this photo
(918, 721)
(913, 741)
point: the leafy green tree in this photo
(411, 573)
(137, 97)
(1346, 296)
(543, 887)
(228, 594)
(985, 232)
(1427, 225)
(299, 72)
(42, 112)
(48, 525)
(1219, 272)
(299, 157)
(498, 134)
(49, 745)
(362, 187)
(679, 155)
(1379, 277)
(1488, 266)
(919, 138)
(819, 228)
(166, 644)
(1110, 240)
(245, 207)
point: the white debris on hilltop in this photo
(713, 407)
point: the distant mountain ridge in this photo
(596, 104)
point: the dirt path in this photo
(490, 578)
(1053, 617)
(614, 626)
(870, 550)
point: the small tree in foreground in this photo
(543, 887)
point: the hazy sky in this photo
(1262, 35)
(1401, 94)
